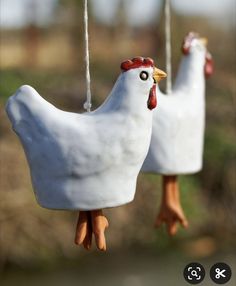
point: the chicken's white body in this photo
(178, 126)
(85, 161)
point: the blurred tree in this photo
(32, 34)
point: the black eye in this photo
(143, 75)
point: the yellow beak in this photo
(158, 74)
(204, 41)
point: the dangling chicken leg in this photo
(171, 211)
(84, 230)
(91, 222)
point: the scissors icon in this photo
(219, 273)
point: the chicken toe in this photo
(99, 224)
(84, 230)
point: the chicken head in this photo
(145, 71)
(193, 41)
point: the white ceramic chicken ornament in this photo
(88, 161)
(178, 128)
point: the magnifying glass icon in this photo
(194, 273)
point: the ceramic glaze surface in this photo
(85, 161)
(178, 125)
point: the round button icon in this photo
(220, 273)
(194, 273)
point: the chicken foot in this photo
(89, 223)
(171, 211)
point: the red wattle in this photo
(152, 99)
(209, 65)
(185, 50)
(208, 68)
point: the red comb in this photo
(136, 63)
(187, 42)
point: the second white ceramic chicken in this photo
(92, 160)
(178, 126)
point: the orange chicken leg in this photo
(91, 222)
(171, 211)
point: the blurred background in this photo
(41, 44)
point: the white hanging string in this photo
(87, 104)
(168, 46)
